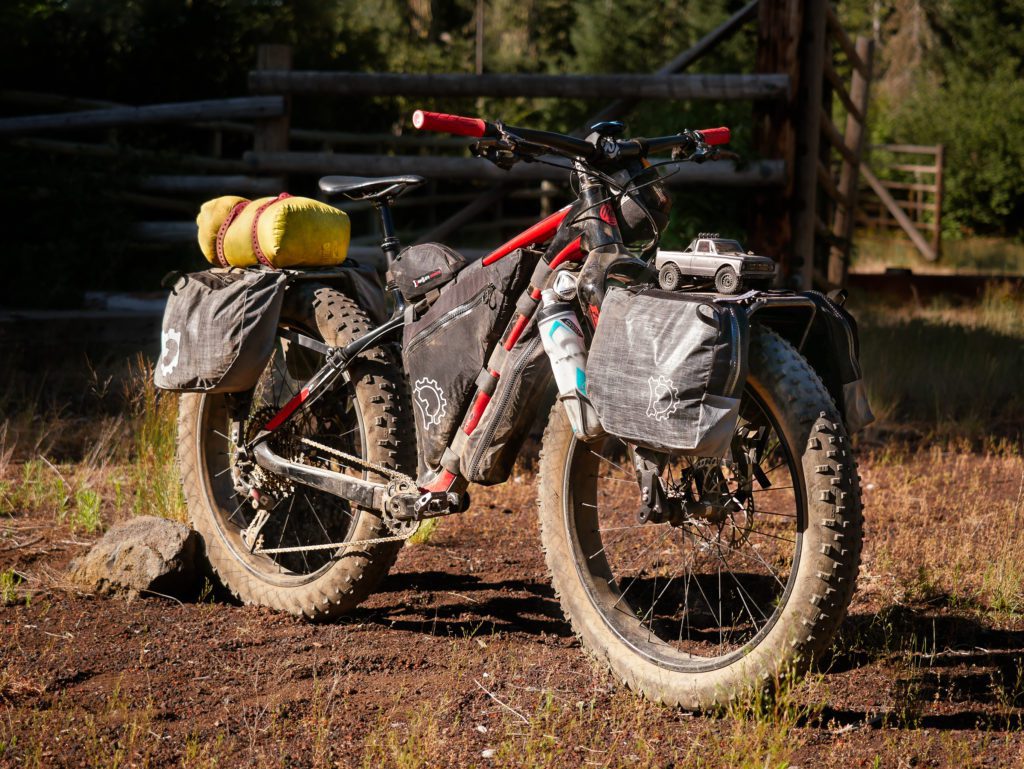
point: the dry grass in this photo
(1000, 256)
(946, 369)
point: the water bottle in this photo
(563, 342)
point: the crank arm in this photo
(356, 490)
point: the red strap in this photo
(254, 236)
(232, 215)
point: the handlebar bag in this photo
(446, 347)
(219, 330)
(666, 370)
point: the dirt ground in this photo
(463, 658)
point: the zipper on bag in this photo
(451, 316)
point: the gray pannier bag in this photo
(219, 329)
(666, 370)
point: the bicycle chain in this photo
(387, 472)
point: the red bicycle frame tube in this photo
(541, 232)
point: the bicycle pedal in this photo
(434, 503)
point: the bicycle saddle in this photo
(369, 187)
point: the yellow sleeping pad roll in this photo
(282, 231)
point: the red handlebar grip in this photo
(452, 124)
(715, 135)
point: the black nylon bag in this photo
(490, 451)
(446, 348)
(666, 370)
(219, 329)
(833, 349)
(420, 269)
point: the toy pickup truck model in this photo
(709, 257)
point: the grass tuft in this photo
(154, 470)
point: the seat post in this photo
(389, 244)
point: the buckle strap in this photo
(236, 209)
(254, 235)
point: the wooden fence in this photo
(807, 176)
(908, 197)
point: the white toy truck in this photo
(710, 257)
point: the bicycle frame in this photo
(549, 232)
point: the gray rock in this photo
(138, 555)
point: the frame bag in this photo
(487, 455)
(219, 330)
(446, 347)
(666, 370)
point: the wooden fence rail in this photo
(115, 117)
(676, 87)
(724, 173)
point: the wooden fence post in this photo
(940, 162)
(849, 177)
(805, 201)
(272, 133)
(778, 43)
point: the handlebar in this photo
(566, 145)
(453, 124)
(713, 136)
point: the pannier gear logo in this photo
(663, 402)
(167, 361)
(431, 401)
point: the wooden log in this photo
(829, 187)
(901, 218)
(940, 162)
(272, 131)
(911, 149)
(181, 112)
(849, 175)
(839, 88)
(770, 222)
(808, 140)
(835, 138)
(165, 232)
(725, 173)
(889, 184)
(234, 184)
(912, 168)
(86, 149)
(835, 27)
(674, 87)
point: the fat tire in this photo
(670, 277)
(381, 397)
(829, 559)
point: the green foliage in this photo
(86, 515)
(981, 123)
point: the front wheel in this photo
(698, 611)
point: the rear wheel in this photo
(366, 417)
(756, 578)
